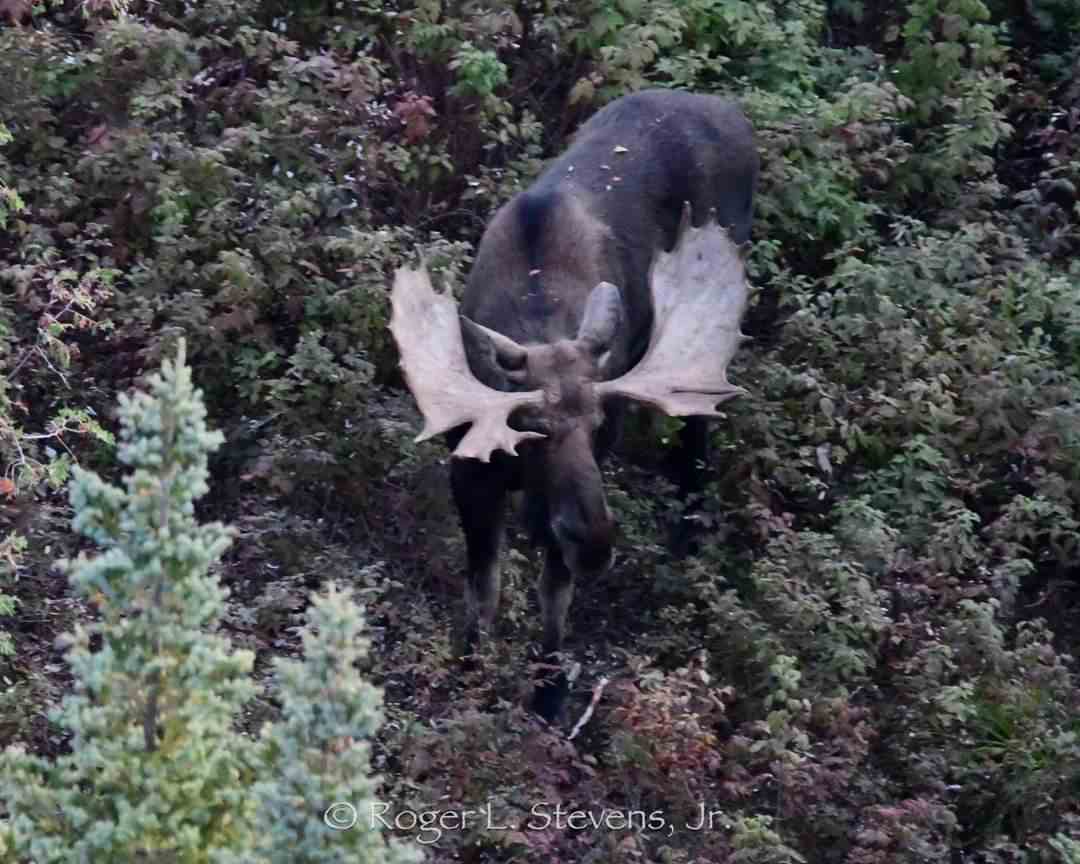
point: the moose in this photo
(618, 275)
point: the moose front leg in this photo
(479, 490)
(556, 589)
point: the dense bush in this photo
(869, 659)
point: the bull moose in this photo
(590, 288)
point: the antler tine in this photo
(699, 298)
(427, 331)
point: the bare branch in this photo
(598, 691)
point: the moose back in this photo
(590, 288)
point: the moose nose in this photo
(586, 546)
(596, 556)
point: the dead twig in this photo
(597, 692)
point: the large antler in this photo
(699, 296)
(428, 335)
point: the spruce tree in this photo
(157, 769)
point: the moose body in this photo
(560, 307)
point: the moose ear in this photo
(499, 355)
(603, 317)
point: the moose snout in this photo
(586, 545)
